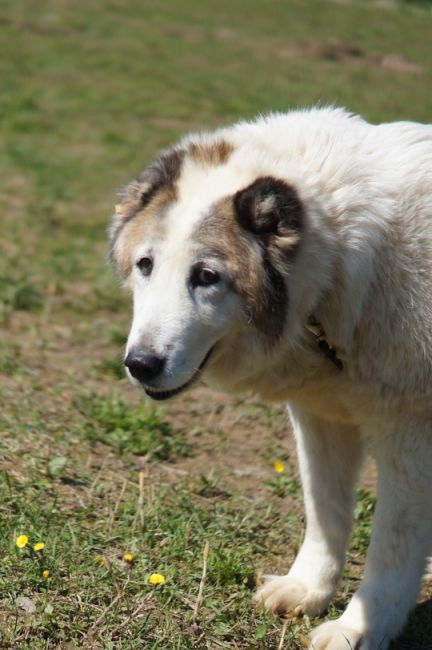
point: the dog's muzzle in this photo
(146, 367)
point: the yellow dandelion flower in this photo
(279, 466)
(100, 560)
(21, 541)
(45, 574)
(156, 579)
(39, 546)
(128, 557)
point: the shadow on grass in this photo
(418, 632)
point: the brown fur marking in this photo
(210, 155)
(145, 223)
(153, 188)
(269, 206)
(253, 267)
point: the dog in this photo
(292, 256)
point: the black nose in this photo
(144, 366)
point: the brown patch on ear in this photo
(153, 187)
(269, 206)
(162, 172)
(270, 213)
(253, 272)
(213, 154)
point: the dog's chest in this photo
(335, 400)
(327, 392)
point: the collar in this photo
(315, 328)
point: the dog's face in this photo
(206, 248)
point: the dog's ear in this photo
(161, 173)
(269, 206)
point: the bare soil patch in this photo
(347, 52)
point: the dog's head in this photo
(206, 243)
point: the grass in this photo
(89, 94)
(87, 573)
(140, 431)
(18, 294)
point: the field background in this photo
(89, 92)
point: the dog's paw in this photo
(335, 636)
(282, 594)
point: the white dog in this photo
(292, 256)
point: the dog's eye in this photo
(202, 276)
(145, 265)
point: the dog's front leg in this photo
(401, 540)
(330, 456)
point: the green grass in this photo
(19, 294)
(141, 431)
(84, 554)
(90, 91)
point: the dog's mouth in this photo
(161, 395)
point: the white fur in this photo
(364, 269)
